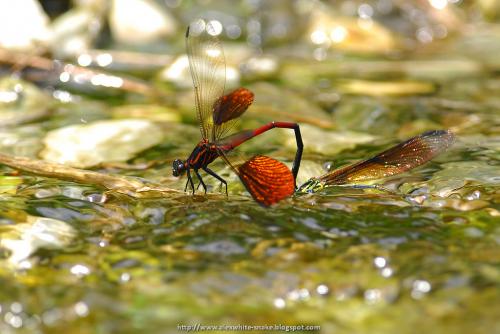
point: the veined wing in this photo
(208, 71)
(398, 159)
(266, 179)
(227, 110)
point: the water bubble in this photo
(84, 60)
(214, 28)
(293, 295)
(420, 288)
(372, 295)
(62, 95)
(386, 272)
(425, 35)
(320, 54)
(304, 293)
(253, 25)
(96, 198)
(16, 307)
(365, 11)
(80, 270)
(125, 277)
(338, 34)
(440, 31)
(322, 289)
(438, 4)
(13, 320)
(380, 262)
(279, 303)
(64, 76)
(328, 165)
(318, 37)
(473, 195)
(104, 59)
(81, 309)
(233, 31)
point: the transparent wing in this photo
(208, 71)
(398, 159)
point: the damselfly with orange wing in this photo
(266, 179)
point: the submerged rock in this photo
(478, 171)
(87, 145)
(22, 141)
(75, 31)
(25, 238)
(21, 102)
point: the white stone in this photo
(140, 21)
(24, 239)
(178, 73)
(73, 32)
(23, 25)
(87, 145)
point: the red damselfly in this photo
(266, 179)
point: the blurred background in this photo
(105, 85)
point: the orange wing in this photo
(398, 159)
(232, 105)
(266, 179)
(228, 108)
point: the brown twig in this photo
(130, 186)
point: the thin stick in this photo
(53, 170)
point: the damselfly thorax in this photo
(203, 154)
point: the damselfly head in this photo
(178, 167)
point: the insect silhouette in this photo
(266, 179)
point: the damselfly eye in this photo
(178, 167)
